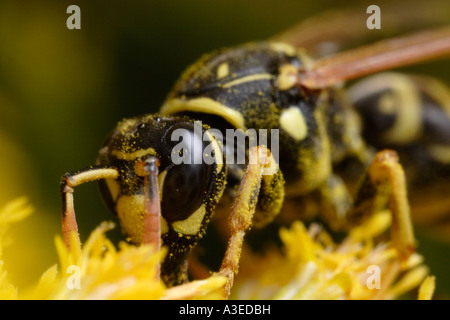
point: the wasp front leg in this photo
(384, 186)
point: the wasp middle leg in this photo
(383, 187)
(411, 114)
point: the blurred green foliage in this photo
(62, 91)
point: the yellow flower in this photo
(100, 271)
(312, 266)
(426, 290)
(13, 212)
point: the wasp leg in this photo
(68, 182)
(383, 187)
(258, 178)
(387, 176)
(418, 127)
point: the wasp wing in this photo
(380, 56)
(338, 30)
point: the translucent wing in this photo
(325, 35)
(336, 30)
(380, 56)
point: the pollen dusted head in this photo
(189, 187)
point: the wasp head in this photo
(190, 183)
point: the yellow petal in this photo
(427, 287)
(211, 288)
(410, 281)
(15, 210)
(378, 223)
(7, 290)
(47, 283)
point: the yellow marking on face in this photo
(113, 187)
(192, 224)
(217, 152)
(440, 153)
(130, 211)
(130, 156)
(293, 122)
(204, 105)
(249, 78)
(223, 70)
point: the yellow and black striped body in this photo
(326, 143)
(188, 192)
(411, 114)
(324, 132)
(251, 87)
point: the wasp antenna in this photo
(152, 205)
(68, 182)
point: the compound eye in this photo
(184, 189)
(186, 143)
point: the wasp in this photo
(341, 154)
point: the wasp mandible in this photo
(338, 152)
